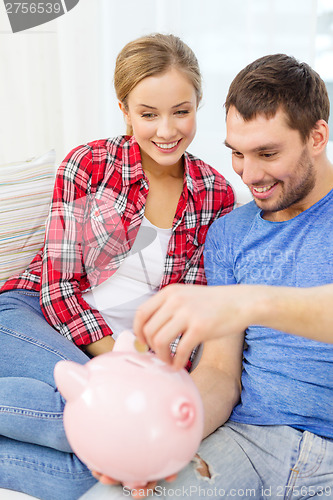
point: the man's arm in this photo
(218, 378)
(306, 312)
(203, 313)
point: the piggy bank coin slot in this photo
(136, 362)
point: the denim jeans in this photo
(35, 456)
(248, 461)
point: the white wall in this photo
(56, 79)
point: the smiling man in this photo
(274, 162)
(268, 407)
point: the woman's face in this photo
(162, 113)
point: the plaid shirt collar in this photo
(132, 171)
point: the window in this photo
(324, 47)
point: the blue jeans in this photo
(248, 461)
(35, 456)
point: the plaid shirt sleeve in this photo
(63, 273)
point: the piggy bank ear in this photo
(184, 412)
(71, 379)
(125, 342)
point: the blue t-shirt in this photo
(286, 380)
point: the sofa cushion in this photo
(25, 193)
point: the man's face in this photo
(273, 162)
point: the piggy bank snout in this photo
(183, 411)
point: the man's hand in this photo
(197, 312)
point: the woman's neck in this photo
(154, 170)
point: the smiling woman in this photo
(161, 111)
(100, 261)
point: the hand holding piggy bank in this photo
(129, 415)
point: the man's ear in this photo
(319, 137)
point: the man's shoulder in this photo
(232, 227)
(240, 216)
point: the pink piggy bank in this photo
(129, 415)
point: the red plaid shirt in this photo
(97, 208)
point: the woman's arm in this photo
(100, 346)
(63, 264)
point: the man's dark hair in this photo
(276, 81)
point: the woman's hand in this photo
(103, 478)
(100, 346)
(139, 491)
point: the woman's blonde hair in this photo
(152, 55)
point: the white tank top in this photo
(137, 278)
